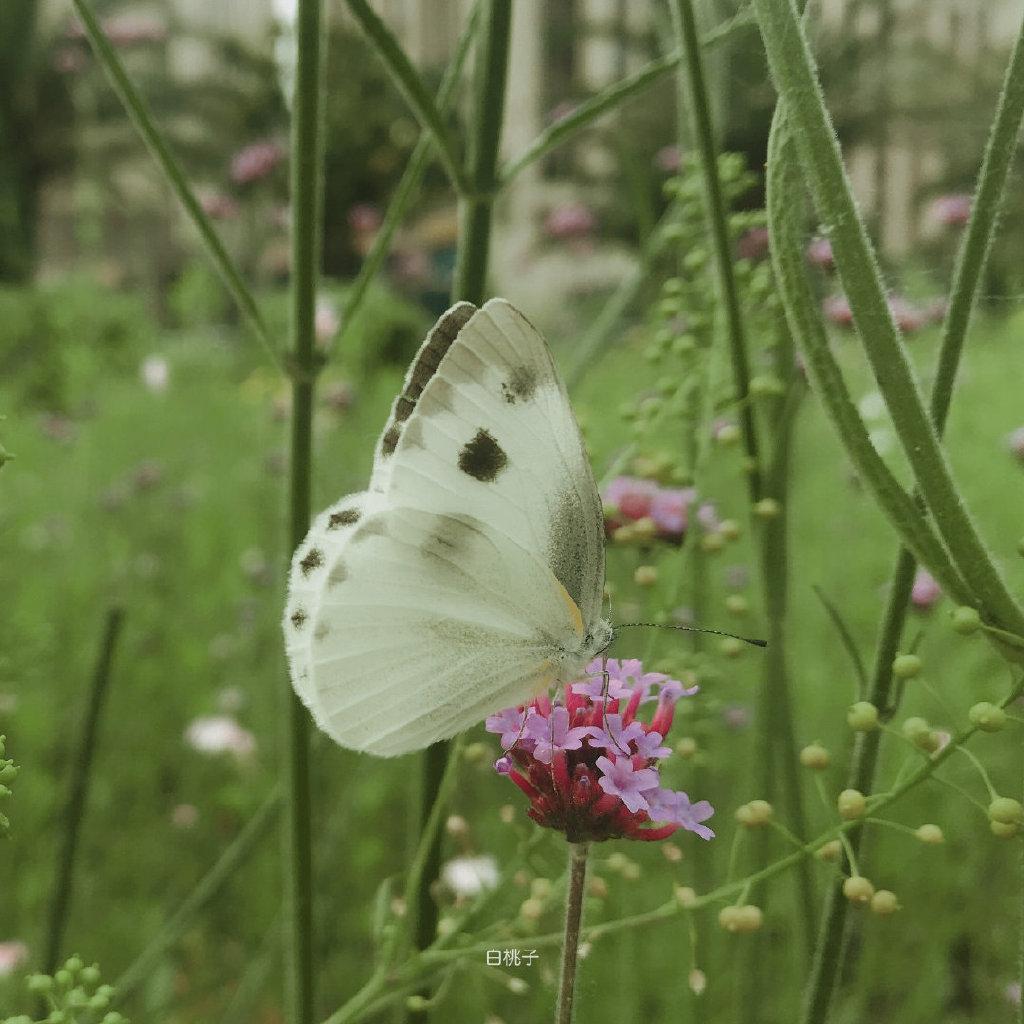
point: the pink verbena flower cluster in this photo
(590, 766)
(628, 500)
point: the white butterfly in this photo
(469, 575)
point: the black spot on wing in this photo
(343, 517)
(299, 618)
(313, 560)
(482, 458)
(389, 442)
(520, 386)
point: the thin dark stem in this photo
(475, 212)
(695, 92)
(307, 202)
(573, 923)
(78, 792)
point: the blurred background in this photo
(149, 438)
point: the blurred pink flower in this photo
(338, 396)
(669, 508)
(1015, 442)
(909, 318)
(560, 111)
(147, 474)
(1013, 993)
(570, 220)
(12, 955)
(753, 245)
(925, 591)
(838, 311)
(185, 816)
(125, 29)
(327, 322)
(668, 159)
(255, 161)
(630, 496)
(364, 217)
(155, 373)
(69, 60)
(220, 734)
(953, 210)
(819, 254)
(219, 205)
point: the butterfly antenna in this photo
(693, 629)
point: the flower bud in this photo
(644, 530)
(40, 984)
(815, 756)
(712, 542)
(830, 851)
(884, 903)
(749, 919)
(987, 717)
(906, 666)
(417, 1003)
(685, 896)
(930, 834)
(858, 889)
(851, 804)
(728, 433)
(730, 530)
(540, 888)
(737, 604)
(862, 716)
(645, 576)
(686, 747)
(755, 814)
(766, 386)
(965, 621)
(1003, 830)
(767, 508)
(730, 646)
(919, 732)
(1006, 811)
(531, 909)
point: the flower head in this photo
(951, 211)
(819, 254)
(589, 766)
(570, 220)
(255, 161)
(925, 591)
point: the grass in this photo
(79, 532)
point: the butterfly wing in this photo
(484, 427)
(407, 627)
(456, 584)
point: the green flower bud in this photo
(686, 747)
(712, 542)
(1006, 811)
(930, 834)
(737, 604)
(830, 851)
(987, 717)
(645, 576)
(728, 433)
(767, 508)
(884, 903)
(729, 529)
(851, 804)
(906, 666)
(815, 756)
(918, 731)
(862, 716)
(1004, 830)
(858, 890)
(63, 977)
(965, 620)
(730, 646)
(73, 964)
(755, 814)
(766, 386)
(39, 984)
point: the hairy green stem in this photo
(78, 792)
(793, 69)
(407, 187)
(142, 118)
(225, 869)
(470, 281)
(307, 206)
(571, 935)
(412, 87)
(970, 266)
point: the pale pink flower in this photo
(219, 205)
(255, 161)
(12, 955)
(155, 373)
(837, 310)
(819, 254)
(951, 211)
(753, 245)
(326, 322)
(220, 734)
(364, 218)
(570, 220)
(668, 159)
(925, 591)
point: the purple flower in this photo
(674, 806)
(616, 738)
(255, 161)
(619, 778)
(553, 733)
(570, 220)
(909, 318)
(630, 496)
(925, 591)
(510, 725)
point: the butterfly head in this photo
(594, 642)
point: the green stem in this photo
(307, 205)
(78, 792)
(475, 214)
(142, 118)
(793, 69)
(694, 97)
(407, 187)
(967, 277)
(213, 881)
(571, 934)
(412, 87)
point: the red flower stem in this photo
(573, 920)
